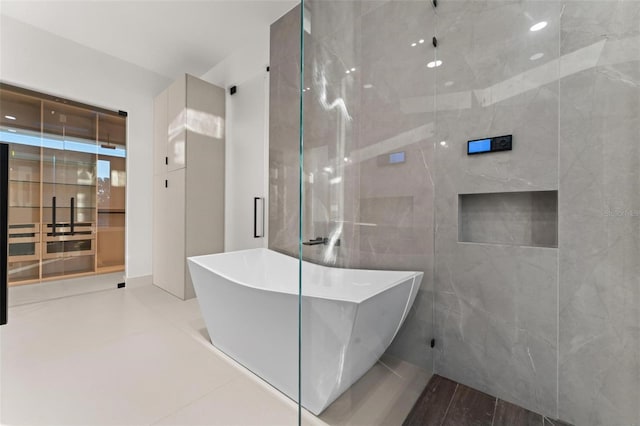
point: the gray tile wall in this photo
(496, 304)
(506, 315)
(599, 209)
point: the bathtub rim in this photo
(413, 275)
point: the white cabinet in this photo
(189, 152)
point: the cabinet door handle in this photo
(72, 213)
(53, 217)
(166, 161)
(166, 183)
(255, 217)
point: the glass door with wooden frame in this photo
(69, 190)
(20, 126)
(67, 186)
(111, 184)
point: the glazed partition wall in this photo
(530, 256)
(67, 177)
(359, 193)
(367, 194)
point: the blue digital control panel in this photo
(476, 147)
(483, 146)
(396, 157)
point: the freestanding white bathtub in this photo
(249, 301)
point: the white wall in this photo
(38, 60)
(247, 143)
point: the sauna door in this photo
(68, 191)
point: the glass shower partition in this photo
(367, 91)
(535, 268)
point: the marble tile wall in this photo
(496, 304)
(284, 140)
(599, 207)
(556, 330)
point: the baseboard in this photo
(141, 281)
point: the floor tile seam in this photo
(495, 409)
(206, 393)
(446, 413)
(58, 298)
(89, 347)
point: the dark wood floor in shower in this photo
(447, 403)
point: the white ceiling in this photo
(166, 37)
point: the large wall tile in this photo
(599, 207)
(496, 304)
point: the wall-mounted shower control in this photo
(482, 146)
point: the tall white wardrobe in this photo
(188, 198)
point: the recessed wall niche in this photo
(511, 218)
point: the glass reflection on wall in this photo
(64, 219)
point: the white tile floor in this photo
(139, 356)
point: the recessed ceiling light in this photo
(434, 64)
(536, 56)
(367, 86)
(308, 88)
(353, 69)
(347, 72)
(414, 44)
(9, 117)
(538, 26)
(448, 83)
(443, 143)
(421, 41)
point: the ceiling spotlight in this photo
(414, 44)
(347, 72)
(538, 26)
(9, 117)
(367, 86)
(536, 56)
(353, 69)
(421, 41)
(308, 88)
(443, 143)
(434, 64)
